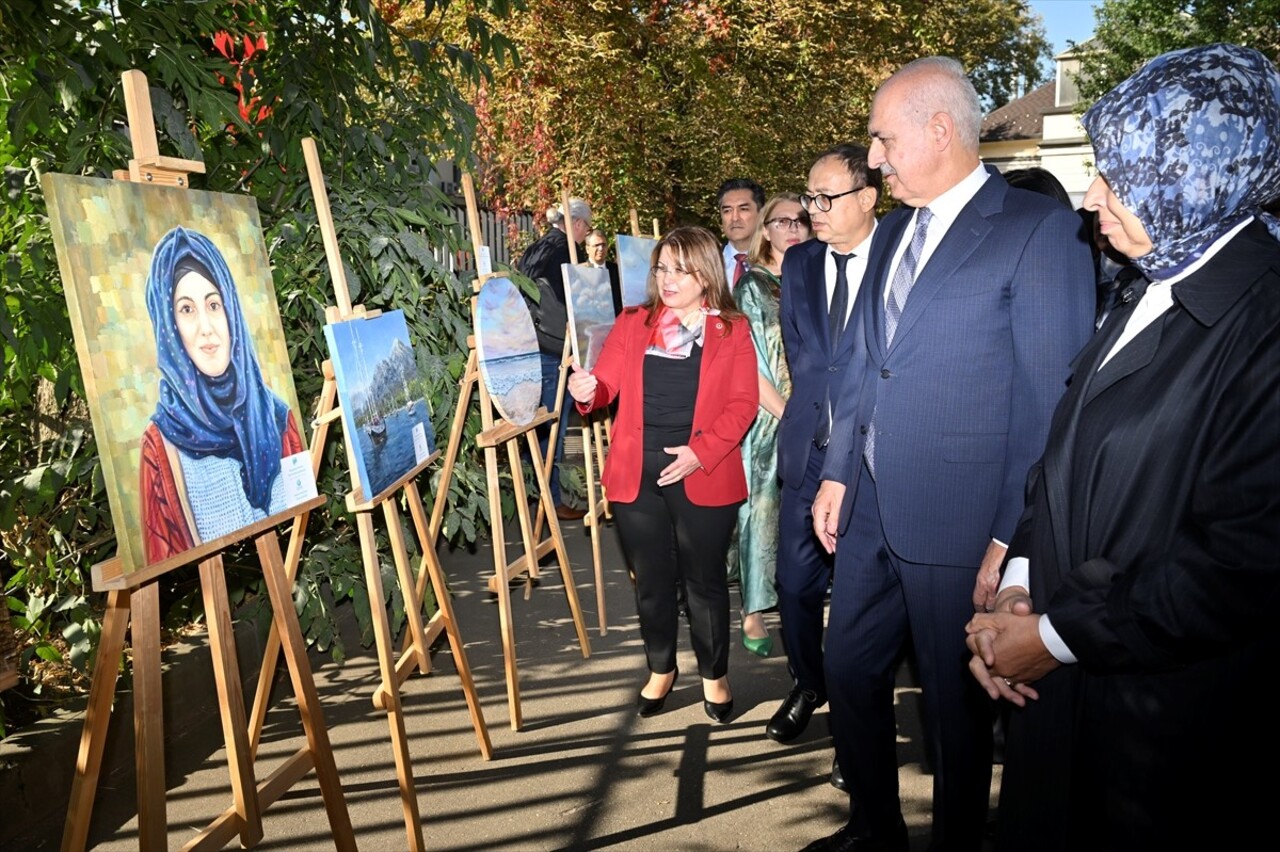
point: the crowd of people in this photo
(1036, 446)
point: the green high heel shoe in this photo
(761, 647)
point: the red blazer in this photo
(728, 397)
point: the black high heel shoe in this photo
(719, 713)
(653, 706)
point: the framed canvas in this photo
(590, 301)
(635, 256)
(185, 366)
(384, 409)
(507, 346)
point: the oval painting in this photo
(507, 346)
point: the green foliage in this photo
(1132, 32)
(237, 85)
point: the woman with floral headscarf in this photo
(211, 454)
(1134, 624)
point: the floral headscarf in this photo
(1190, 145)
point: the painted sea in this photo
(635, 255)
(405, 441)
(508, 348)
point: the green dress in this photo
(753, 558)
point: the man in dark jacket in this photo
(542, 262)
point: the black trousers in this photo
(672, 542)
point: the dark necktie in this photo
(903, 280)
(835, 326)
(740, 266)
(839, 300)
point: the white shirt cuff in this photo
(1017, 573)
(1053, 642)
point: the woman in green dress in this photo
(753, 559)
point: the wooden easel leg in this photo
(148, 717)
(522, 514)
(97, 717)
(412, 603)
(271, 654)
(285, 618)
(593, 521)
(601, 429)
(387, 696)
(465, 388)
(226, 674)
(504, 590)
(562, 555)
(445, 604)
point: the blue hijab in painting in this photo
(234, 415)
(1190, 145)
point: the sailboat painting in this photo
(508, 348)
(384, 411)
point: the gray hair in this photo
(578, 209)
(937, 84)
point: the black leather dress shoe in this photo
(845, 840)
(647, 707)
(793, 716)
(837, 777)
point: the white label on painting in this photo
(420, 452)
(484, 263)
(299, 482)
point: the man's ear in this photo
(941, 130)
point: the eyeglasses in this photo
(823, 201)
(783, 223)
(660, 271)
(595, 245)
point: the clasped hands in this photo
(582, 387)
(1008, 653)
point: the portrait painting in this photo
(185, 367)
(635, 256)
(590, 302)
(384, 407)
(507, 346)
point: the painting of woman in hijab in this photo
(211, 453)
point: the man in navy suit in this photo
(978, 297)
(817, 299)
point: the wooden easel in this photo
(418, 638)
(498, 431)
(133, 602)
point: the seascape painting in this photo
(507, 345)
(635, 256)
(384, 407)
(185, 367)
(590, 302)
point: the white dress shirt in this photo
(945, 209)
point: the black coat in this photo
(541, 261)
(1153, 533)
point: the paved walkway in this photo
(585, 773)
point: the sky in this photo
(1066, 20)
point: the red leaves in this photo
(246, 46)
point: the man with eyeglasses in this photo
(739, 201)
(978, 297)
(821, 281)
(597, 247)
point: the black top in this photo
(541, 261)
(670, 389)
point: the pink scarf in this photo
(673, 338)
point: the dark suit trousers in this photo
(877, 601)
(803, 575)
(670, 542)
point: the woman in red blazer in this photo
(683, 369)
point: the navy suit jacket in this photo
(814, 364)
(964, 395)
